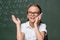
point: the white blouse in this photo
(30, 33)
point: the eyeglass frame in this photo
(35, 13)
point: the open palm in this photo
(16, 20)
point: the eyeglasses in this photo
(35, 13)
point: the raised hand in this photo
(37, 19)
(16, 20)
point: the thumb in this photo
(18, 20)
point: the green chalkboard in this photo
(12, 7)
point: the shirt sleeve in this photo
(42, 27)
(22, 28)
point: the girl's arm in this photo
(40, 35)
(20, 35)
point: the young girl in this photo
(33, 29)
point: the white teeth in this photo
(32, 18)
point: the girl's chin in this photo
(32, 20)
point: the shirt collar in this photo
(28, 25)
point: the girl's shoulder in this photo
(43, 24)
(25, 23)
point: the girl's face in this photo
(33, 12)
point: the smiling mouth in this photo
(33, 18)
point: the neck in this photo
(31, 24)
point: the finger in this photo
(14, 18)
(18, 20)
(36, 19)
(40, 16)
